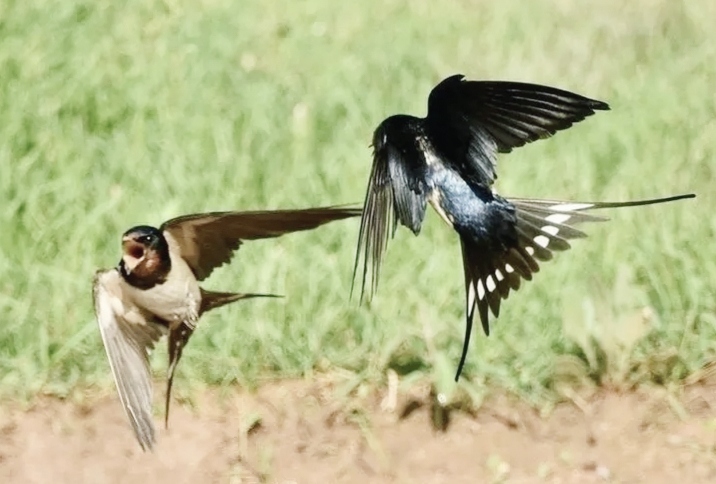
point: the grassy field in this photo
(115, 114)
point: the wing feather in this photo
(128, 338)
(469, 122)
(396, 193)
(208, 240)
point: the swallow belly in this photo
(177, 300)
(456, 201)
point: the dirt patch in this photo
(295, 433)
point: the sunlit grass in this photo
(116, 114)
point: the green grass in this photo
(115, 114)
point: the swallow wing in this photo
(128, 338)
(208, 240)
(396, 193)
(469, 122)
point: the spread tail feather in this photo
(179, 336)
(543, 226)
(212, 299)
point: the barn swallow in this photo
(155, 290)
(448, 159)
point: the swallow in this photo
(154, 290)
(448, 159)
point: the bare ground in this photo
(295, 432)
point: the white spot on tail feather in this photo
(530, 250)
(490, 283)
(499, 275)
(480, 290)
(570, 207)
(509, 269)
(558, 218)
(550, 229)
(541, 240)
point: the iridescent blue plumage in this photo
(449, 159)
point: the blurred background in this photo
(114, 114)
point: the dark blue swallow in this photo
(448, 159)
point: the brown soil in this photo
(303, 436)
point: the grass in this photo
(115, 114)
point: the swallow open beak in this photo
(134, 252)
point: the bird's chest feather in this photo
(176, 300)
(452, 197)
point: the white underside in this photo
(176, 300)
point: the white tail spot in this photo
(530, 250)
(550, 229)
(499, 275)
(480, 290)
(558, 218)
(570, 207)
(542, 241)
(509, 269)
(490, 283)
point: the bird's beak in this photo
(133, 253)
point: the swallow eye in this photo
(145, 239)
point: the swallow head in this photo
(145, 258)
(398, 132)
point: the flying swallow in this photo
(448, 159)
(154, 290)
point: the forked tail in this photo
(543, 226)
(212, 299)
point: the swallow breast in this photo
(175, 301)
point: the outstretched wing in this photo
(469, 122)
(396, 193)
(208, 240)
(128, 338)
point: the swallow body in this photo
(154, 290)
(448, 159)
(159, 280)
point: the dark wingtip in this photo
(147, 446)
(344, 211)
(361, 298)
(355, 273)
(600, 106)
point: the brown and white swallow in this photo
(154, 290)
